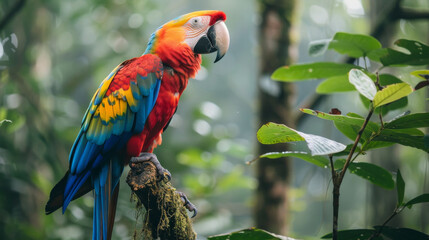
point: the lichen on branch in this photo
(165, 216)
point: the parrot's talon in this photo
(162, 173)
(188, 205)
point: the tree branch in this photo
(337, 179)
(165, 217)
(412, 14)
(11, 13)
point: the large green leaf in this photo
(354, 45)
(416, 120)
(316, 160)
(309, 71)
(424, 198)
(400, 188)
(418, 54)
(272, 133)
(377, 54)
(389, 135)
(373, 173)
(354, 234)
(249, 234)
(335, 84)
(363, 83)
(402, 233)
(391, 93)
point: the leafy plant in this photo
(380, 93)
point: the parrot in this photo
(131, 109)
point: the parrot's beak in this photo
(217, 39)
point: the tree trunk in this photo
(275, 101)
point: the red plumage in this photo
(174, 82)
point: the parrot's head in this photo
(191, 34)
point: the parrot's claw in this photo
(188, 205)
(144, 157)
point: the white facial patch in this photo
(195, 28)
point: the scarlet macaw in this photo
(131, 109)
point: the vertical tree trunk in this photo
(275, 101)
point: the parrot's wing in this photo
(118, 109)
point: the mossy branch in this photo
(165, 217)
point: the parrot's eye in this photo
(195, 22)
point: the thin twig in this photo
(378, 232)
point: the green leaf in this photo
(416, 120)
(354, 45)
(389, 135)
(387, 79)
(351, 132)
(377, 54)
(354, 234)
(249, 234)
(335, 84)
(363, 83)
(309, 71)
(335, 117)
(376, 144)
(272, 133)
(339, 163)
(417, 54)
(391, 93)
(409, 131)
(424, 198)
(422, 74)
(346, 151)
(318, 47)
(316, 160)
(5, 121)
(373, 173)
(402, 233)
(347, 125)
(400, 188)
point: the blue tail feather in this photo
(73, 185)
(104, 182)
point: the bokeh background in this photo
(53, 55)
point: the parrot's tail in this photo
(106, 189)
(56, 198)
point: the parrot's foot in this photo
(144, 157)
(188, 205)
